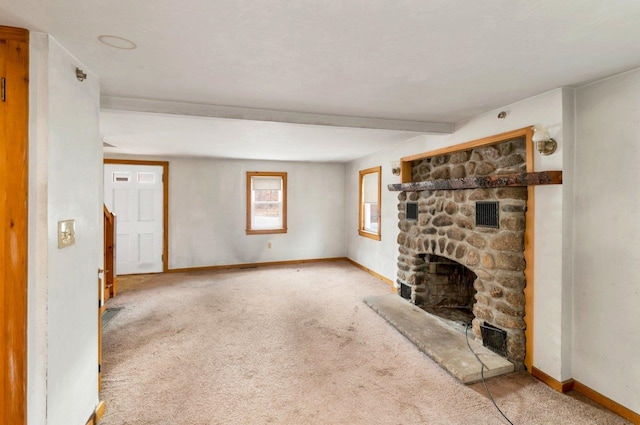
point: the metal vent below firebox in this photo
(405, 291)
(494, 338)
(487, 214)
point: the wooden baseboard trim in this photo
(561, 387)
(372, 273)
(607, 402)
(97, 414)
(252, 265)
(573, 385)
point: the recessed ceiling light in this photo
(117, 42)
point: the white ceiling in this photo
(430, 61)
(181, 135)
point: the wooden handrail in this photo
(110, 282)
(108, 215)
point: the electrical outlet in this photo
(66, 233)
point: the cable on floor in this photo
(466, 334)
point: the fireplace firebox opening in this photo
(448, 290)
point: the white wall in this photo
(66, 178)
(607, 230)
(381, 256)
(38, 244)
(207, 218)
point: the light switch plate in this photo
(66, 233)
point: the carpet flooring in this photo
(292, 345)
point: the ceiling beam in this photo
(229, 112)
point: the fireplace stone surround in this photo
(446, 227)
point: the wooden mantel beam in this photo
(499, 180)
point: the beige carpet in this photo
(292, 345)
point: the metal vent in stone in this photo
(405, 291)
(487, 214)
(412, 211)
(494, 338)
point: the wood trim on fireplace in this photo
(486, 141)
(528, 253)
(523, 133)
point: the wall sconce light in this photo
(395, 168)
(80, 75)
(543, 141)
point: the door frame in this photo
(15, 226)
(165, 201)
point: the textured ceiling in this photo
(418, 60)
(192, 136)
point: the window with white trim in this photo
(370, 203)
(266, 202)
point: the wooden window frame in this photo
(249, 205)
(361, 230)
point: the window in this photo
(370, 203)
(266, 203)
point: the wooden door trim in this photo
(165, 201)
(14, 224)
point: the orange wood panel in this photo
(405, 172)
(14, 121)
(528, 255)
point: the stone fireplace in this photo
(461, 251)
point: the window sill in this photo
(374, 236)
(265, 231)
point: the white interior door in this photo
(134, 194)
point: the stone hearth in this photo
(445, 233)
(446, 346)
